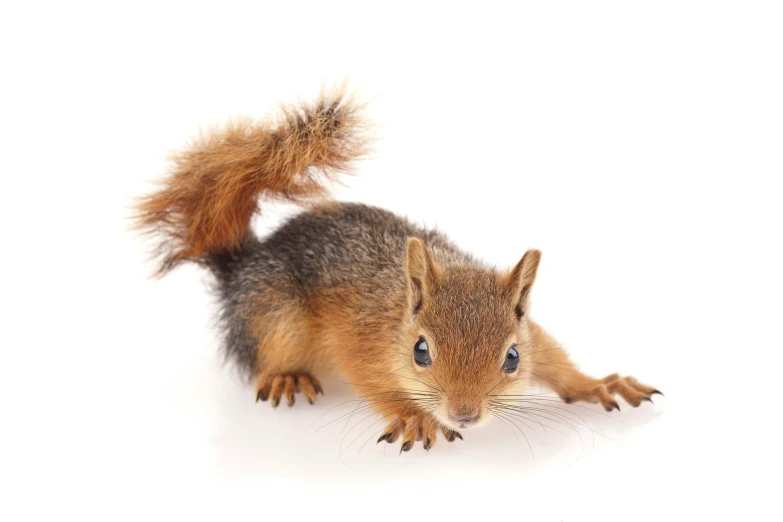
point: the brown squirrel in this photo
(429, 336)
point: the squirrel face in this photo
(466, 334)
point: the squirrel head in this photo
(466, 338)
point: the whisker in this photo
(519, 418)
(372, 436)
(551, 394)
(559, 419)
(538, 363)
(498, 417)
(495, 386)
(363, 408)
(540, 408)
(411, 378)
(568, 421)
(583, 424)
(560, 401)
(340, 449)
(520, 431)
(541, 351)
(382, 387)
(360, 400)
(581, 440)
(542, 378)
(439, 384)
(532, 419)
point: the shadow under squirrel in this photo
(429, 336)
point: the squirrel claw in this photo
(451, 435)
(412, 428)
(275, 387)
(604, 390)
(262, 395)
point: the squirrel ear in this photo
(421, 272)
(520, 280)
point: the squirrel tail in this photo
(206, 203)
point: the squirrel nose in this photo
(464, 418)
(464, 415)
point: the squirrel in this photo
(432, 338)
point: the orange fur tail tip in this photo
(206, 203)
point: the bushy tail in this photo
(206, 203)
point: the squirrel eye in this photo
(512, 359)
(421, 352)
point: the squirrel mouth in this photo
(464, 422)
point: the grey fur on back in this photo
(329, 246)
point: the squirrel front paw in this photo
(602, 391)
(416, 427)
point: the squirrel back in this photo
(205, 205)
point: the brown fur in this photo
(349, 289)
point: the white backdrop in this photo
(638, 145)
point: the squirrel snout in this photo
(464, 417)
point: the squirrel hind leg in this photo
(285, 358)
